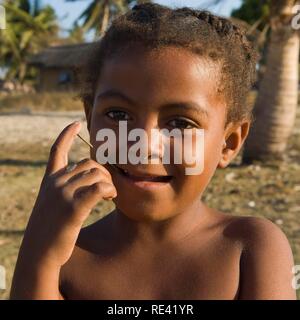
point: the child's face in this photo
(154, 84)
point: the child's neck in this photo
(149, 233)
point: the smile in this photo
(139, 177)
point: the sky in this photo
(68, 12)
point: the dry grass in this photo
(53, 101)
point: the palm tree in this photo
(76, 34)
(29, 28)
(97, 14)
(100, 12)
(276, 103)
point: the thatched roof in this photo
(67, 56)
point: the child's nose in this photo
(153, 139)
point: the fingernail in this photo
(76, 123)
(109, 198)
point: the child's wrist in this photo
(35, 279)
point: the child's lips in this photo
(144, 177)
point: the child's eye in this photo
(181, 124)
(118, 115)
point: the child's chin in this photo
(145, 212)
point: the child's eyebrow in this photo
(112, 93)
(186, 105)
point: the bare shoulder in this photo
(255, 232)
(266, 261)
(248, 230)
(259, 236)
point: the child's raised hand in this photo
(65, 200)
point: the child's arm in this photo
(266, 263)
(64, 202)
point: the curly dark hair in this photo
(203, 33)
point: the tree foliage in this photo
(29, 28)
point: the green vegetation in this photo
(29, 28)
(255, 12)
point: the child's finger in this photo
(84, 165)
(86, 178)
(88, 197)
(58, 157)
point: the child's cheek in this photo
(189, 151)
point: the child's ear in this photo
(235, 136)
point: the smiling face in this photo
(169, 88)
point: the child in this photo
(155, 67)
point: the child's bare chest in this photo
(208, 272)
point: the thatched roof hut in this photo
(56, 66)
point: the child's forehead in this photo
(166, 57)
(166, 69)
(159, 78)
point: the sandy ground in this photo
(37, 126)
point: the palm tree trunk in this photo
(105, 18)
(276, 103)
